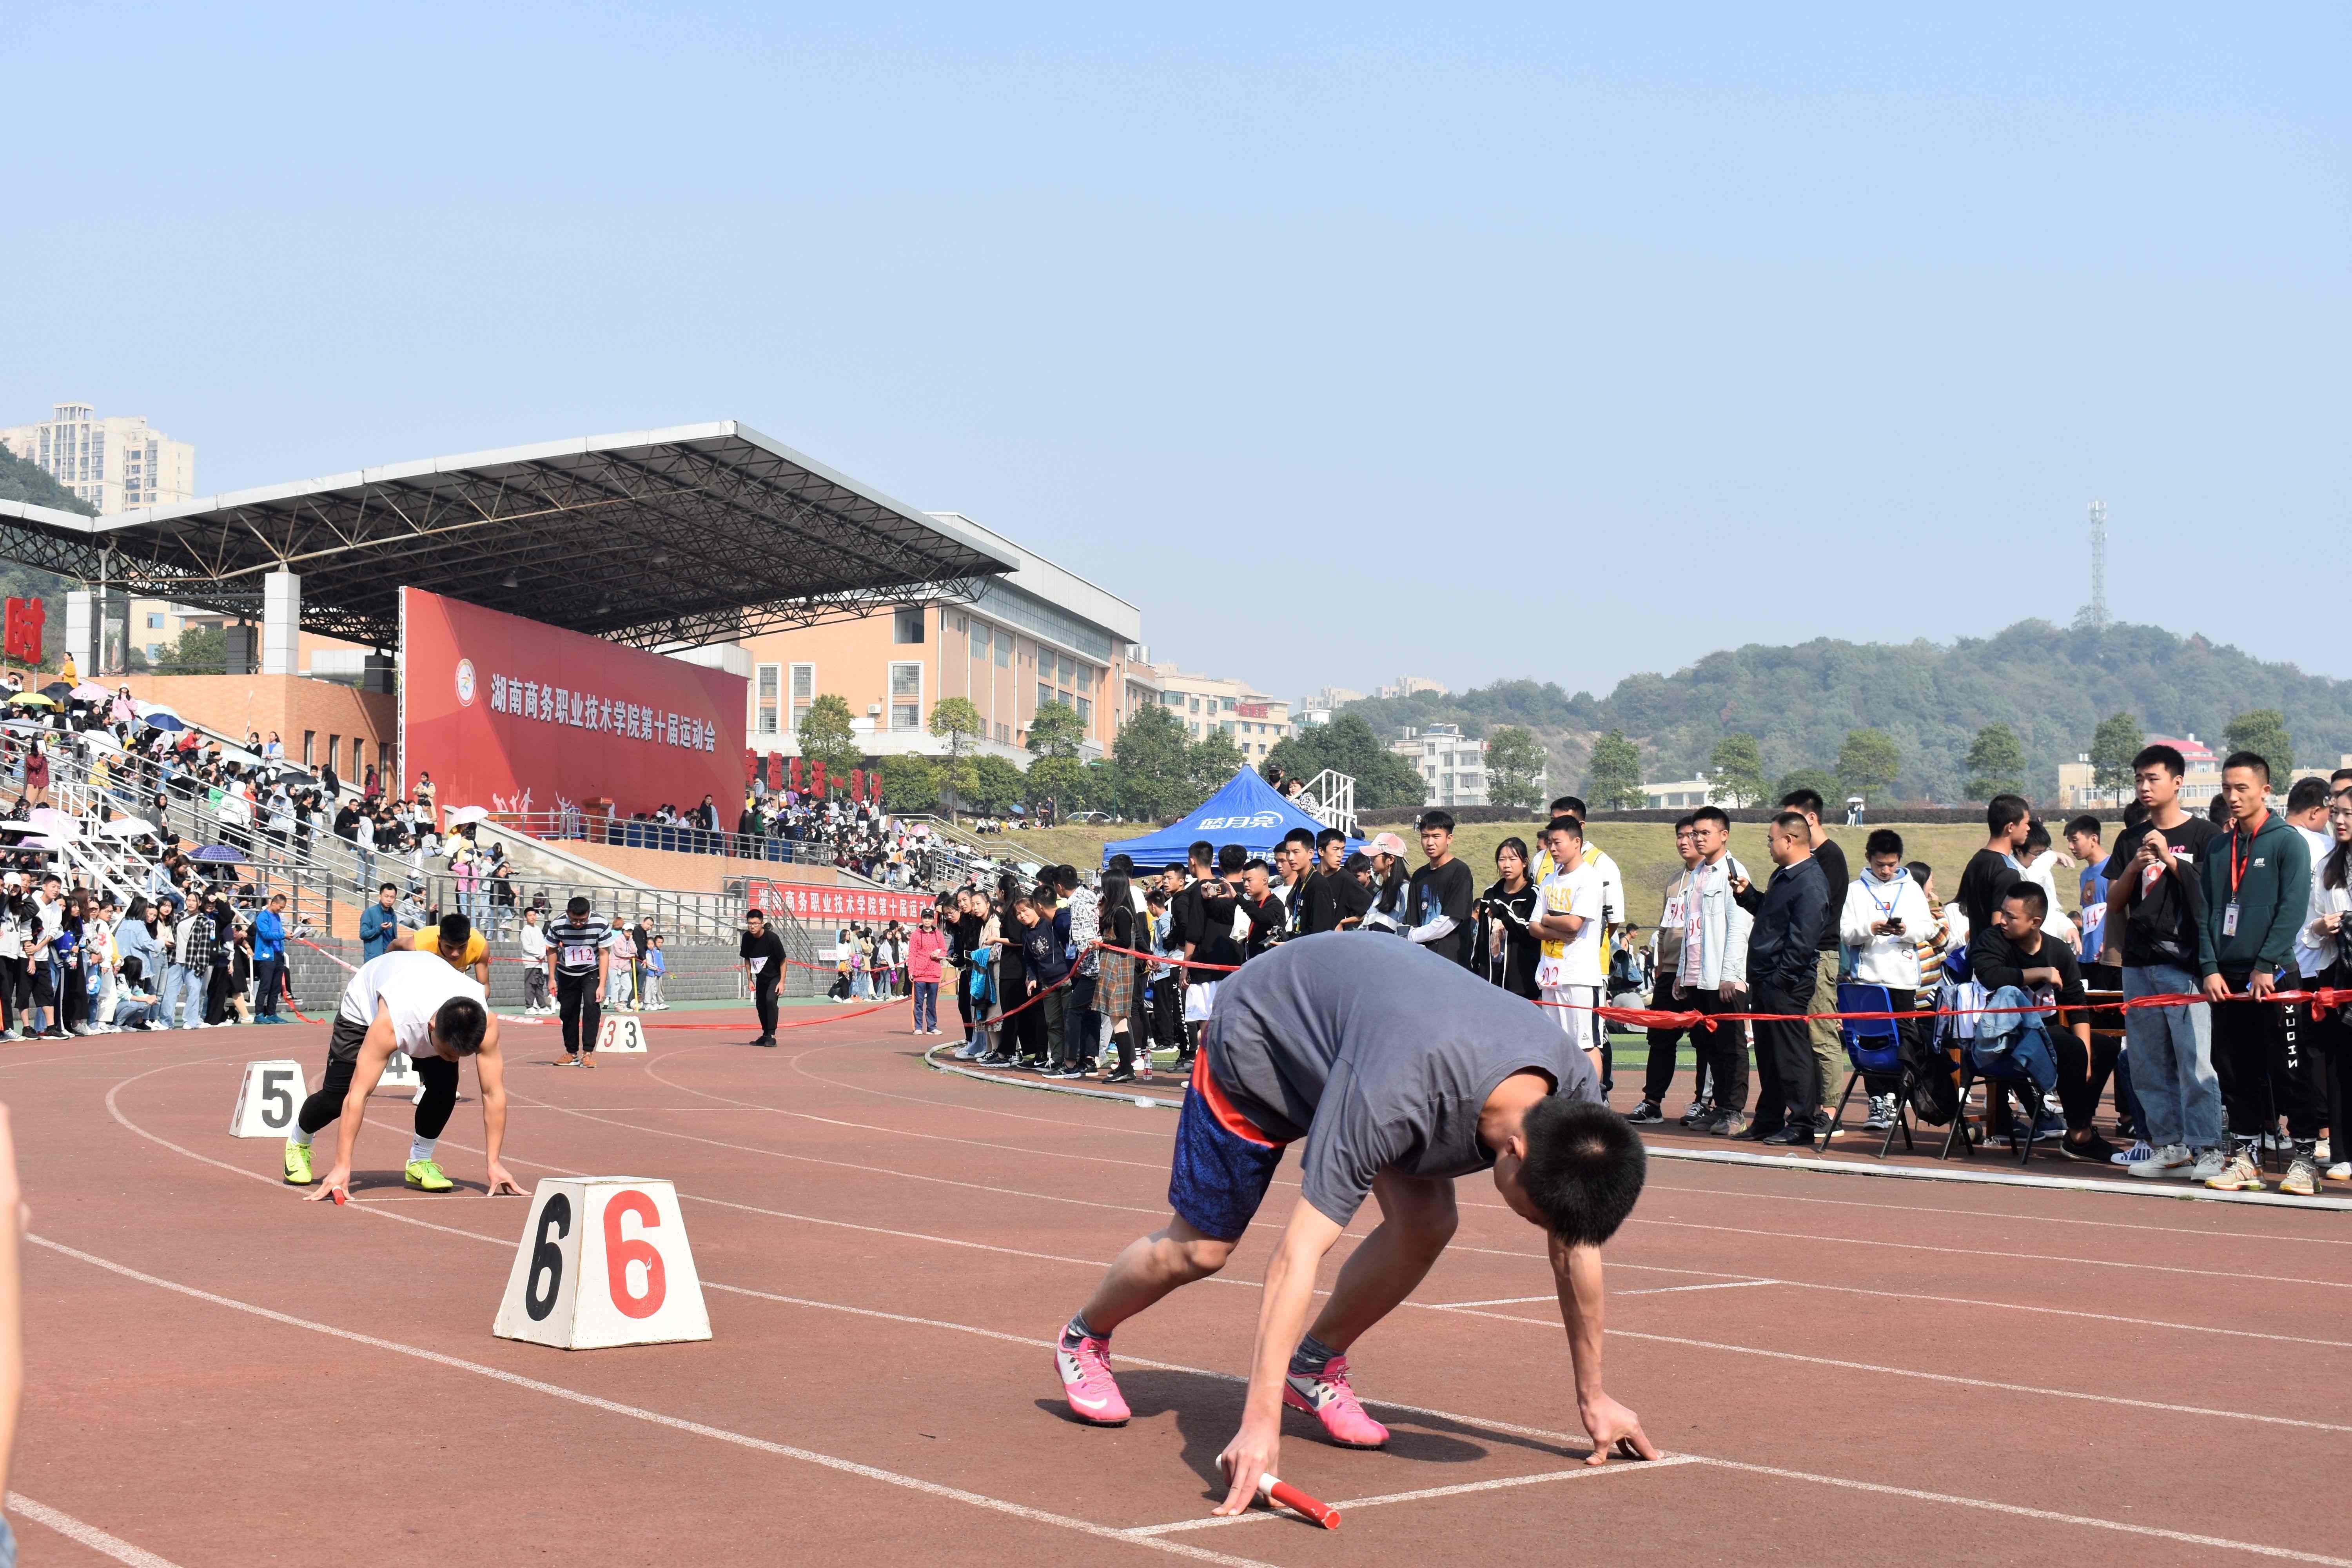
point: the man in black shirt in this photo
(1828, 1048)
(762, 953)
(1439, 898)
(1187, 926)
(2010, 951)
(2154, 902)
(1783, 951)
(1992, 871)
(1335, 899)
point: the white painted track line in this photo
(1350, 1505)
(88, 1535)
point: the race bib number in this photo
(579, 955)
(758, 964)
(1673, 918)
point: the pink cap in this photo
(1387, 844)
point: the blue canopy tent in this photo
(1248, 812)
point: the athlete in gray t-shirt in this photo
(1399, 1071)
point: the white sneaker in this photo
(2209, 1164)
(2339, 1172)
(2320, 1152)
(2172, 1160)
(2138, 1154)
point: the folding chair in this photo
(2007, 1075)
(1872, 1046)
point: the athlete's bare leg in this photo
(1417, 1219)
(1175, 1255)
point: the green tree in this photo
(2264, 732)
(1061, 780)
(955, 721)
(1738, 765)
(1514, 761)
(1868, 765)
(1349, 745)
(1210, 764)
(1153, 772)
(201, 650)
(2112, 746)
(1613, 778)
(825, 735)
(1996, 763)
(996, 784)
(1056, 730)
(910, 782)
(1821, 780)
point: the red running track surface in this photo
(1853, 1371)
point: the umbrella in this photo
(101, 740)
(31, 699)
(51, 820)
(26, 727)
(128, 828)
(466, 813)
(91, 691)
(220, 854)
(165, 721)
(59, 690)
(143, 709)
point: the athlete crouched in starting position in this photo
(417, 1002)
(1400, 1071)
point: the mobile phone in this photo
(1895, 923)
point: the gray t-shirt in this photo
(1379, 1055)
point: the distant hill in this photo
(2053, 685)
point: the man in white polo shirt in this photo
(415, 1002)
(1568, 922)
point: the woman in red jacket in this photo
(924, 951)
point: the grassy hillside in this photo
(2051, 685)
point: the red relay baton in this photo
(1298, 1501)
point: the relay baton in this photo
(1291, 1497)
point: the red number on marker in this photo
(619, 1254)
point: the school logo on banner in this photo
(465, 683)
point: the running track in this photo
(1844, 1370)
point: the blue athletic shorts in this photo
(1218, 1177)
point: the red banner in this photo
(23, 619)
(820, 905)
(517, 716)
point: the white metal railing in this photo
(1331, 799)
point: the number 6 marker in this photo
(603, 1261)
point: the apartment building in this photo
(1210, 704)
(1453, 766)
(1040, 634)
(2198, 784)
(115, 463)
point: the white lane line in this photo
(1970, 1383)
(2017, 1511)
(655, 1418)
(2239, 1275)
(1471, 1422)
(1670, 1290)
(2190, 1191)
(1349, 1505)
(1999, 1214)
(966, 1108)
(88, 1535)
(2299, 1341)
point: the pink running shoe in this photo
(1087, 1384)
(1333, 1402)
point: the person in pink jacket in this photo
(924, 951)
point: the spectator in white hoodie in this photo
(1885, 915)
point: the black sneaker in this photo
(1719, 1124)
(1795, 1135)
(767, 1040)
(2093, 1151)
(1701, 1116)
(1119, 1075)
(1645, 1113)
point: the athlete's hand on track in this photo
(500, 1183)
(1612, 1427)
(1250, 1455)
(338, 1180)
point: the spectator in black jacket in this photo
(1783, 949)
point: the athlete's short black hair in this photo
(1884, 841)
(2254, 760)
(577, 907)
(454, 931)
(1439, 821)
(2030, 897)
(1584, 1168)
(2307, 794)
(1808, 801)
(460, 1024)
(1714, 813)
(1299, 836)
(1331, 836)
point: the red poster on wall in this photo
(519, 716)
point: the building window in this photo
(1087, 712)
(906, 696)
(309, 756)
(980, 640)
(907, 624)
(1044, 695)
(333, 743)
(803, 692)
(1196, 705)
(1003, 648)
(154, 620)
(768, 691)
(1004, 735)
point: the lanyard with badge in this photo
(2237, 873)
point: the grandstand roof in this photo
(697, 534)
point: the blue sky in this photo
(1346, 342)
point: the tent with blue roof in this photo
(1248, 811)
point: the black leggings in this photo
(763, 997)
(440, 1077)
(575, 997)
